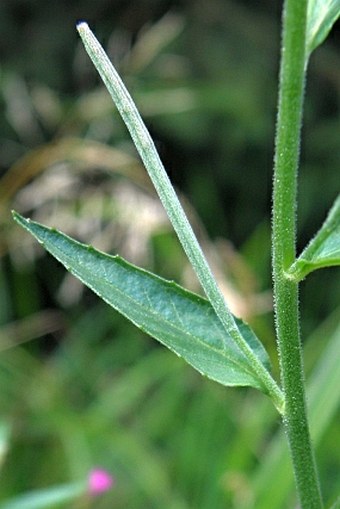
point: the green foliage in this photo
(93, 390)
(322, 14)
(323, 250)
(41, 499)
(336, 505)
(323, 395)
(183, 321)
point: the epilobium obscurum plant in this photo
(204, 332)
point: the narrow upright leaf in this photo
(147, 150)
(181, 320)
(322, 14)
(323, 250)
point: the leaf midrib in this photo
(143, 309)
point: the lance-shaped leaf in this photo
(323, 250)
(322, 14)
(183, 321)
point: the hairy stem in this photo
(291, 91)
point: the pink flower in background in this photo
(99, 481)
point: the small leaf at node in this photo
(322, 14)
(323, 250)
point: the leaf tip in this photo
(19, 218)
(81, 25)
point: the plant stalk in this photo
(287, 147)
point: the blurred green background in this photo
(80, 386)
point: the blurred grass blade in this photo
(322, 14)
(336, 505)
(5, 430)
(323, 250)
(181, 320)
(273, 481)
(47, 498)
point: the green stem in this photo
(176, 214)
(292, 78)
